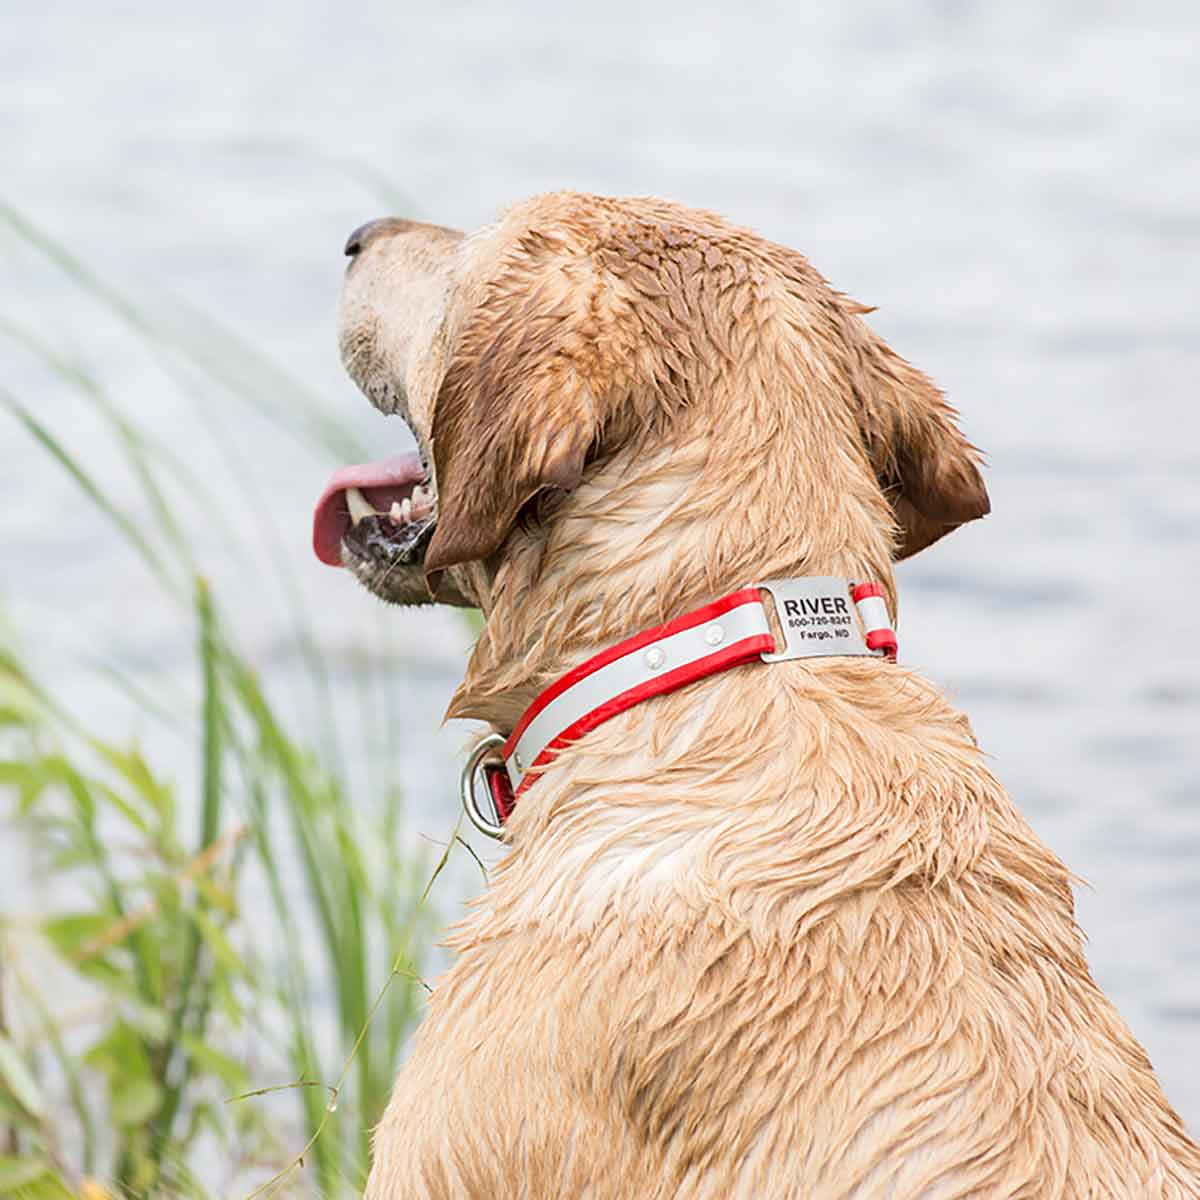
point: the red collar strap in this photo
(820, 618)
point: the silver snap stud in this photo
(517, 760)
(655, 657)
(714, 635)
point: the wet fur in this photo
(780, 934)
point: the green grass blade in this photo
(191, 1011)
(230, 360)
(94, 492)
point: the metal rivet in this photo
(714, 635)
(517, 760)
(655, 657)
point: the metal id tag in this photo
(818, 619)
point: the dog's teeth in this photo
(356, 502)
(396, 512)
(406, 511)
(421, 502)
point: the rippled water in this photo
(1015, 186)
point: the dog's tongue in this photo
(381, 483)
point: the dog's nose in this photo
(362, 237)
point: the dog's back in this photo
(829, 959)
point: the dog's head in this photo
(581, 344)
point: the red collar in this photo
(820, 617)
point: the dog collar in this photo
(820, 618)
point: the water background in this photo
(1015, 186)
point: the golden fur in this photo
(782, 933)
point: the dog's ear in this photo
(518, 411)
(927, 469)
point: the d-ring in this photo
(488, 822)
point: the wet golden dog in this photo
(780, 933)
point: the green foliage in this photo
(152, 1034)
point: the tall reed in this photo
(217, 1002)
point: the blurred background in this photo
(224, 785)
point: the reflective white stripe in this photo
(640, 666)
(874, 613)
